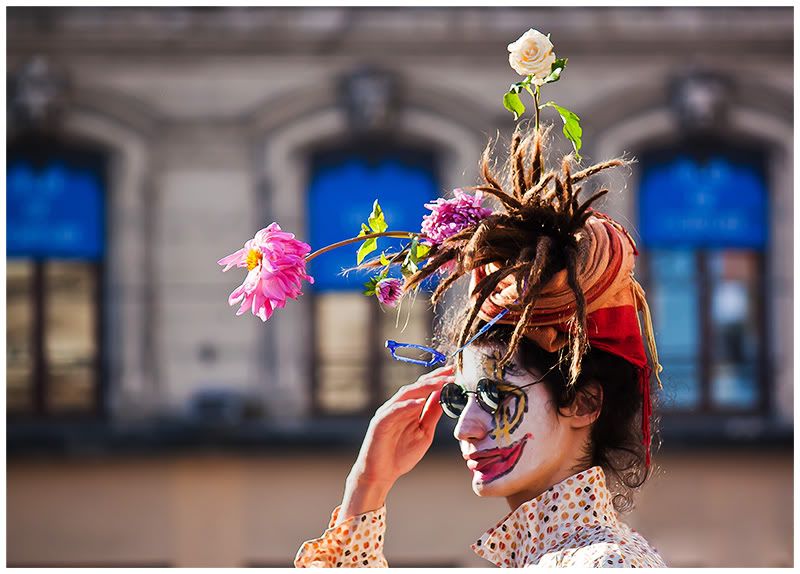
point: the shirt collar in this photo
(543, 524)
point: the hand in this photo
(398, 436)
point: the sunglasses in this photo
(428, 356)
(489, 394)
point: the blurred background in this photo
(149, 426)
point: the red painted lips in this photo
(496, 462)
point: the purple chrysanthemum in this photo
(449, 216)
(389, 291)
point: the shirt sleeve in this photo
(355, 543)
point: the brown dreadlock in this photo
(534, 236)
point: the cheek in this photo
(510, 416)
(539, 418)
(526, 413)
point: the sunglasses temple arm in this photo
(480, 332)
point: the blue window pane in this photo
(54, 211)
(734, 369)
(681, 384)
(676, 317)
(720, 202)
(341, 192)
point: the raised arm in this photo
(398, 436)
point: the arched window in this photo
(55, 236)
(703, 218)
(353, 372)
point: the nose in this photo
(474, 423)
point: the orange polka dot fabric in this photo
(572, 524)
(355, 543)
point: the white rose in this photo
(532, 55)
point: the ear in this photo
(586, 407)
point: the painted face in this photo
(524, 444)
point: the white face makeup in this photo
(524, 444)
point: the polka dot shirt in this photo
(355, 543)
(572, 524)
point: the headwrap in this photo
(613, 299)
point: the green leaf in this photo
(513, 104)
(408, 268)
(384, 259)
(555, 70)
(416, 252)
(371, 285)
(572, 126)
(409, 265)
(377, 223)
(366, 248)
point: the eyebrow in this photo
(512, 366)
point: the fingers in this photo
(431, 412)
(409, 405)
(422, 389)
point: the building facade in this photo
(145, 144)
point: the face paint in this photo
(523, 444)
(509, 415)
(495, 463)
(511, 412)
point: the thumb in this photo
(431, 412)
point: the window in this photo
(353, 373)
(703, 213)
(55, 242)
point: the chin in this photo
(527, 472)
(495, 488)
(504, 482)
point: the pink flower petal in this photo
(276, 279)
(234, 259)
(449, 216)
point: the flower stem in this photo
(536, 105)
(403, 234)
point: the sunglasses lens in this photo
(489, 395)
(453, 400)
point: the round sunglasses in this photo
(490, 396)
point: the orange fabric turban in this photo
(606, 258)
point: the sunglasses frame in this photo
(476, 392)
(437, 356)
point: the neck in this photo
(567, 469)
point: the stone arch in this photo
(284, 139)
(127, 311)
(767, 123)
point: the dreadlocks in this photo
(535, 235)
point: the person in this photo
(550, 384)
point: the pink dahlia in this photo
(449, 216)
(276, 267)
(389, 291)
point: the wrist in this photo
(363, 495)
(368, 488)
